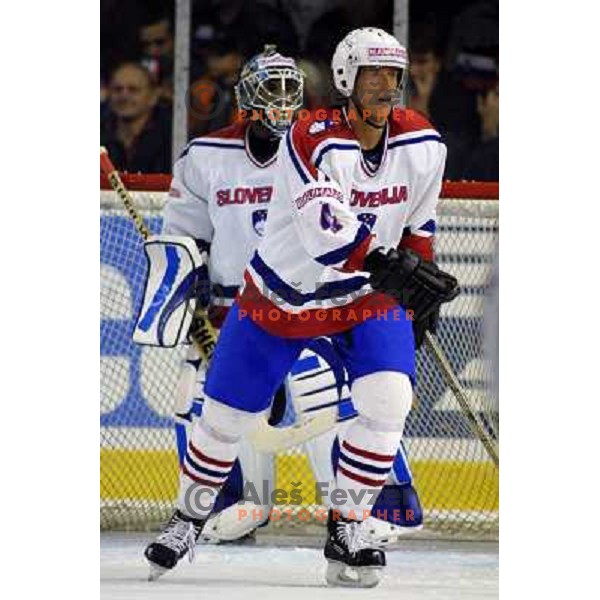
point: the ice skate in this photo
(177, 539)
(351, 560)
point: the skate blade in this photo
(341, 575)
(155, 572)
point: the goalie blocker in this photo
(175, 265)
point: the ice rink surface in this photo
(283, 567)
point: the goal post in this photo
(457, 481)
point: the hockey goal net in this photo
(457, 481)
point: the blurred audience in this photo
(246, 25)
(225, 33)
(318, 91)
(156, 42)
(119, 23)
(328, 29)
(449, 95)
(482, 163)
(211, 98)
(304, 13)
(453, 77)
(425, 66)
(474, 32)
(439, 95)
(135, 128)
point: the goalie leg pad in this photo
(313, 385)
(401, 473)
(257, 467)
(233, 520)
(396, 513)
(188, 397)
(211, 455)
(232, 490)
(192, 374)
(174, 267)
(318, 451)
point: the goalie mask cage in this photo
(456, 480)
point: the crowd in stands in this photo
(453, 79)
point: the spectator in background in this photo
(304, 13)
(342, 18)
(317, 84)
(211, 100)
(329, 24)
(482, 163)
(156, 42)
(425, 66)
(119, 23)
(250, 25)
(472, 61)
(439, 94)
(224, 34)
(103, 97)
(136, 130)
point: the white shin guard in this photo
(383, 399)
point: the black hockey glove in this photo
(416, 284)
(427, 324)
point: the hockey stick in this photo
(454, 384)
(275, 439)
(202, 332)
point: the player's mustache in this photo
(379, 96)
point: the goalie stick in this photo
(276, 439)
(454, 384)
(202, 332)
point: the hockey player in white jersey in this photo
(320, 270)
(220, 192)
(222, 185)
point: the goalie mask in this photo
(366, 47)
(273, 85)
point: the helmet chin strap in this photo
(368, 121)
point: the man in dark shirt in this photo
(483, 162)
(156, 40)
(136, 130)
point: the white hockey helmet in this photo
(365, 47)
